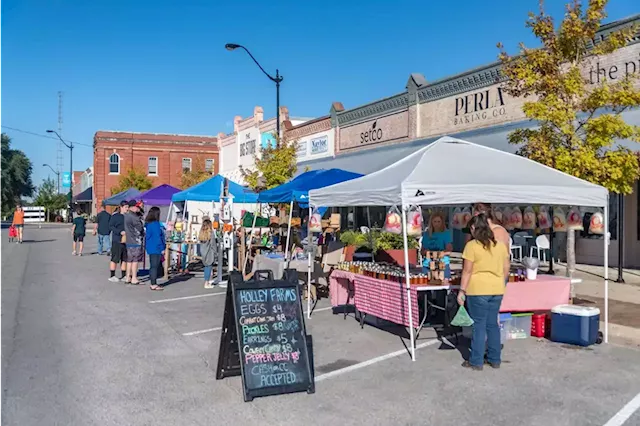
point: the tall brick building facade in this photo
(161, 156)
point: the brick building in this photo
(161, 156)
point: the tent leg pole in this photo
(606, 271)
(246, 256)
(286, 250)
(408, 282)
(309, 265)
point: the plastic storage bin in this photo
(520, 327)
(576, 325)
(505, 325)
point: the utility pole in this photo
(59, 154)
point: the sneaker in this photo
(222, 284)
(73, 253)
(495, 365)
(114, 279)
(207, 284)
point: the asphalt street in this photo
(80, 350)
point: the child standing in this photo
(79, 230)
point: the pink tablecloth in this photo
(386, 300)
(339, 287)
(541, 294)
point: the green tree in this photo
(579, 120)
(16, 175)
(197, 174)
(49, 198)
(134, 178)
(276, 165)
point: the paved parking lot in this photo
(79, 350)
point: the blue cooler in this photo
(576, 325)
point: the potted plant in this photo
(352, 241)
(390, 248)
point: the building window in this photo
(114, 164)
(186, 164)
(153, 166)
(208, 165)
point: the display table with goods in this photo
(377, 289)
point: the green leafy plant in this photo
(579, 120)
(276, 165)
(389, 241)
(353, 238)
(133, 178)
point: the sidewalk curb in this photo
(622, 334)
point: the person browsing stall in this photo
(118, 247)
(486, 264)
(101, 228)
(134, 232)
(155, 243)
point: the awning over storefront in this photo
(85, 196)
(453, 171)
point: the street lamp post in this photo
(70, 146)
(277, 80)
(56, 173)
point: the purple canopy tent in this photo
(158, 196)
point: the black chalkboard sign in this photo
(269, 342)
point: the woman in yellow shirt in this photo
(486, 264)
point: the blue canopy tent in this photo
(126, 195)
(209, 190)
(297, 190)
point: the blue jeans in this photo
(104, 241)
(207, 272)
(486, 332)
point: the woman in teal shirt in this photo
(437, 238)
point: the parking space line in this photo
(625, 413)
(187, 297)
(209, 330)
(373, 361)
(206, 330)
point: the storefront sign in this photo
(479, 106)
(319, 145)
(301, 149)
(247, 146)
(382, 129)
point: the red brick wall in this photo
(135, 149)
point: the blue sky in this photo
(160, 66)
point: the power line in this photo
(45, 136)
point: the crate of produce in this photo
(576, 325)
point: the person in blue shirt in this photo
(437, 238)
(155, 244)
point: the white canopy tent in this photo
(452, 171)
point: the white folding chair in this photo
(541, 247)
(513, 249)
